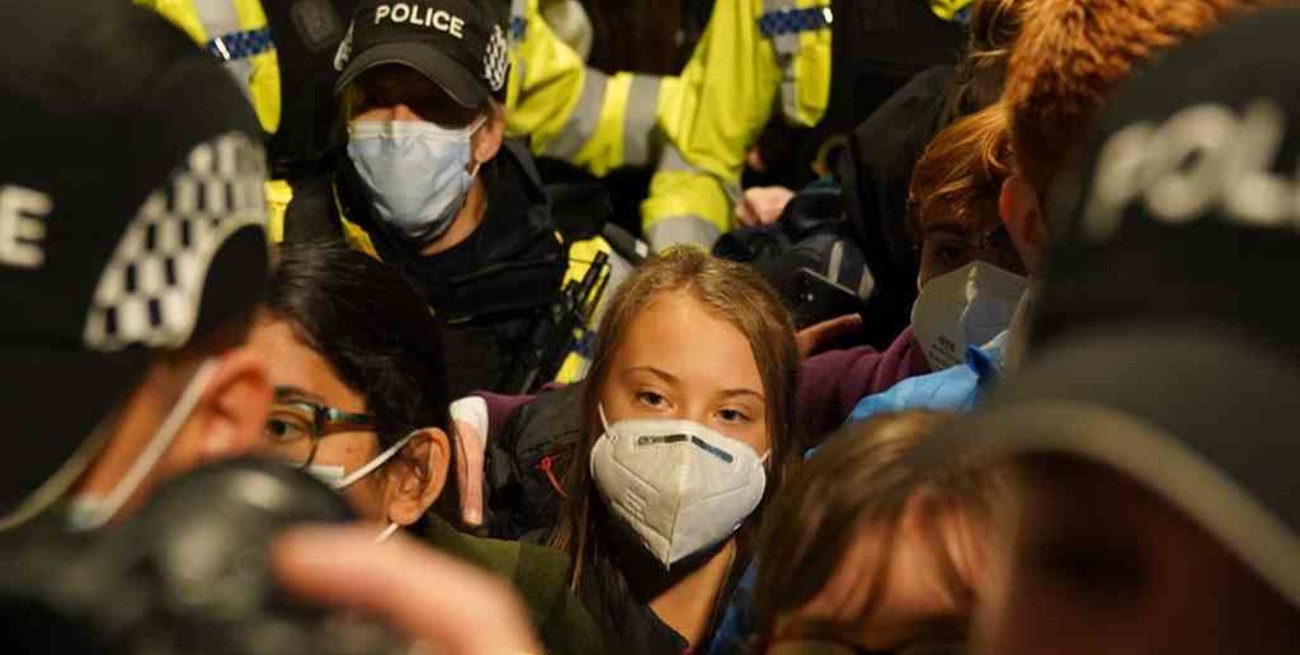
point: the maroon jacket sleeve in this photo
(833, 382)
(500, 406)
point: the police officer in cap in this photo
(428, 182)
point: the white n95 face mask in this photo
(678, 485)
(966, 307)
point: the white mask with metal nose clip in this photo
(678, 485)
(965, 307)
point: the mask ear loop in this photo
(476, 126)
(95, 514)
(387, 533)
(375, 463)
(604, 422)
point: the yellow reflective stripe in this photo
(806, 103)
(250, 13)
(581, 254)
(725, 95)
(574, 369)
(182, 14)
(603, 149)
(264, 87)
(804, 61)
(278, 196)
(219, 17)
(549, 87)
(679, 230)
(583, 118)
(948, 9)
(675, 194)
(639, 130)
(264, 78)
(786, 46)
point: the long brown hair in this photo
(729, 291)
(862, 478)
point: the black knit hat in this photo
(131, 217)
(1187, 207)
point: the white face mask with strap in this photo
(338, 478)
(680, 486)
(965, 307)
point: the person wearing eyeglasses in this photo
(361, 401)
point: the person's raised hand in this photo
(762, 205)
(426, 595)
(817, 336)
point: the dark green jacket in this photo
(540, 575)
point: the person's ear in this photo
(1023, 218)
(486, 141)
(230, 416)
(417, 476)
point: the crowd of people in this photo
(1011, 376)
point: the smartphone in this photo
(820, 299)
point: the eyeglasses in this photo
(296, 426)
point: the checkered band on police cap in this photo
(149, 293)
(496, 59)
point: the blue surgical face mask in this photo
(418, 173)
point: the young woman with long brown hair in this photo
(687, 429)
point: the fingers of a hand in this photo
(426, 595)
(745, 213)
(469, 473)
(814, 336)
(769, 202)
(839, 326)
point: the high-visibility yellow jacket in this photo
(694, 128)
(236, 32)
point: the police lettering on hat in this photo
(459, 45)
(22, 226)
(1205, 158)
(1185, 207)
(415, 14)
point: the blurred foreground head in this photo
(1065, 65)
(865, 551)
(131, 251)
(1153, 430)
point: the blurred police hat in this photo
(1187, 206)
(131, 220)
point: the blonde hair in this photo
(729, 291)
